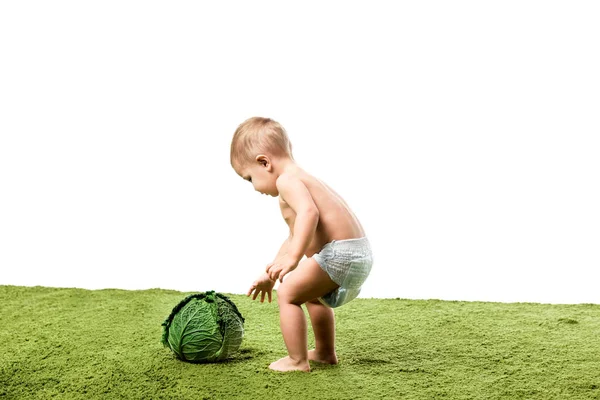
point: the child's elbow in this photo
(312, 213)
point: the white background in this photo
(465, 136)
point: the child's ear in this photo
(264, 161)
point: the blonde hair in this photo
(258, 135)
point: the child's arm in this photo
(297, 196)
(282, 250)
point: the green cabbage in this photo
(204, 327)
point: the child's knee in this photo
(286, 294)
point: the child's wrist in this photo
(297, 257)
(269, 278)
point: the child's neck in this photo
(285, 165)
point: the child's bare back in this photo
(336, 220)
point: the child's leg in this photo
(323, 323)
(305, 283)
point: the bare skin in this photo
(315, 215)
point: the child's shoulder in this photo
(296, 183)
(293, 179)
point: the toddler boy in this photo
(322, 228)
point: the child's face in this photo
(260, 174)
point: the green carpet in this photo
(81, 344)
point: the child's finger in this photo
(273, 274)
(282, 274)
(255, 294)
(269, 296)
(250, 290)
(274, 271)
(262, 297)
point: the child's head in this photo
(257, 136)
(257, 144)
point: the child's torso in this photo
(336, 220)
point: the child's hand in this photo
(263, 285)
(281, 267)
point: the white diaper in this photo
(348, 263)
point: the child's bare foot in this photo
(287, 364)
(322, 358)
